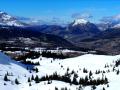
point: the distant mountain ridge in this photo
(7, 19)
(80, 33)
(86, 35)
(22, 37)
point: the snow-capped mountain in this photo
(81, 25)
(80, 21)
(105, 26)
(6, 19)
(109, 22)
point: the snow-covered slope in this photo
(13, 69)
(6, 19)
(88, 61)
(7, 64)
(48, 66)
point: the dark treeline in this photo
(34, 55)
(66, 78)
(3, 47)
(30, 55)
(30, 62)
(47, 54)
(54, 55)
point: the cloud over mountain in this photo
(81, 16)
(111, 19)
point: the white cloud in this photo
(117, 17)
(111, 19)
(81, 15)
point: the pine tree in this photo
(75, 81)
(37, 79)
(32, 78)
(106, 80)
(30, 84)
(6, 78)
(93, 87)
(90, 74)
(86, 78)
(29, 79)
(36, 70)
(16, 81)
(49, 82)
(118, 72)
(85, 70)
(103, 88)
(56, 88)
(68, 69)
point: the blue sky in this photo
(63, 9)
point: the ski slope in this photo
(48, 66)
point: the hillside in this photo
(22, 37)
(100, 66)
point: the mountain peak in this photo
(80, 21)
(6, 19)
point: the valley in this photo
(59, 45)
